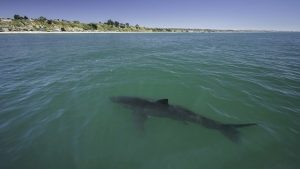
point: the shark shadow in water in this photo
(143, 108)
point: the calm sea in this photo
(55, 110)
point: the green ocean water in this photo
(55, 110)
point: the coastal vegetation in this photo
(25, 24)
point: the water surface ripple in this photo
(55, 110)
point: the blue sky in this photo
(218, 14)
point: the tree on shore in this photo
(110, 22)
(18, 17)
(49, 22)
(117, 24)
(93, 26)
(41, 18)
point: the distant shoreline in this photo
(24, 25)
(146, 32)
(41, 32)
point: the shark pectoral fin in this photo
(139, 119)
(231, 133)
(163, 101)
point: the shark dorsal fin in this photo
(163, 101)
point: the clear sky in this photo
(218, 14)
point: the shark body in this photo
(143, 108)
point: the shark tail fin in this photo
(231, 132)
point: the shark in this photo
(144, 108)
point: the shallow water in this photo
(55, 110)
